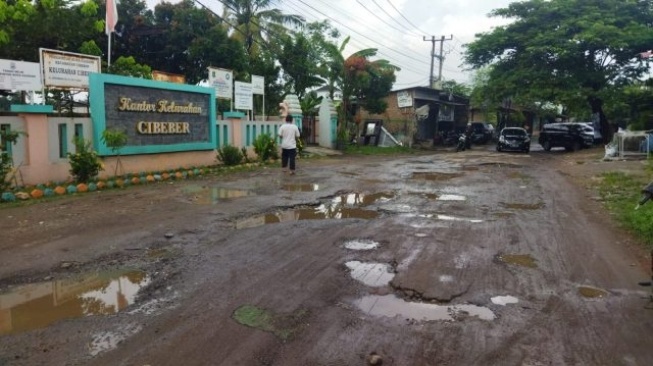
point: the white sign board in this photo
(67, 70)
(19, 75)
(243, 96)
(258, 85)
(404, 99)
(223, 82)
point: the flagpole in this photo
(109, 53)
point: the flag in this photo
(647, 54)
(112, 17)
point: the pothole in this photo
(371, 274)
(523, 260)
(591, 292)
(504, 300)
(213, 195)
(361, 244)
(300, 187)
(343, 206)
(391, 306)
(39, 305)
(522, 206)
(449, 218)
(435, 176)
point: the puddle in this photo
(524, 260)
(503, 215)
(523, 206)
(454, 218)
(451, 197)
(345, 206)
(322, 212)
(212, 195)
(446, 278)
(363, 199)
(300, 187)
(421, 235)
(361, 244)
(371, 274)
(109, 340)
(38, 305)
(591, 292)
(392, 306)
(435, 176)
(504, 300)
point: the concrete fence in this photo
(41, 156)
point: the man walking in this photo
(288, 134)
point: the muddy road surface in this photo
(475, 258)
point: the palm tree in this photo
(251, 18)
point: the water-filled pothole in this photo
(213, 195)
(435, 176)
(300, 187)
(524, 260)
(591, 292)
(38, 305)
(321, 212)
(522, 206)
(392, 306)
(361, 244)
(371, 274)
(344, 206)
(504, 300)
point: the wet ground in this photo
(474, 258)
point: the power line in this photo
(409, 22)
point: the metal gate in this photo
(308, 130)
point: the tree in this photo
(562, 50)
(457, 88)
(298, 59)
(252, 18)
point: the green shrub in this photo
(84, 163)
(6, 165)
(230, 155)
(265, 147)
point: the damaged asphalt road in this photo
(474, 258)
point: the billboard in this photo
(243, 96)
(404, 99)
(66, 70)
(19, 75)
(258, 85)
(222, 81)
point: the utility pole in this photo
(440, 57)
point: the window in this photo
(63, 140)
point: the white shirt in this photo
(288, 133)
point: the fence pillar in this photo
(37, 167)
(238, 123)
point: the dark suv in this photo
(568, 135)
(481, 132)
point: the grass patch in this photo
(621, 192)
(284, 326)
(377, 150)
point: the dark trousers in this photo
(288, 155)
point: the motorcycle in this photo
(462, 142)
(647, 195)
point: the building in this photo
(419, 114)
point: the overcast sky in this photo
(398, 27)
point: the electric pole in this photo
(440, 57)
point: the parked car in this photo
(514, 139)
(481, 132)
(571, 136)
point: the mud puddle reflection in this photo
(345, 206)
(38, 305)
(435, 176)
(213, 195)
(300, 187)
(524, 260)
(392, 306)
(371, 274)
(591, 292)
(504, 300)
